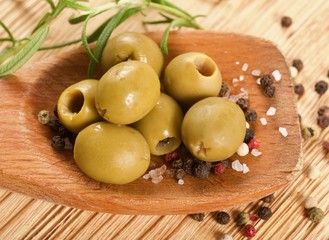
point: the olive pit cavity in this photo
(205, 66)
(75, 102)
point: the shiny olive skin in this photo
(111, 153)
(192, 76)
(132, 46)
(213, 129)
(76, 105)
(127, 92)
(162, 126)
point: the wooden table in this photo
(307, 38)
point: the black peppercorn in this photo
(321, 87)
(298, 64)
(223, 218)
(299, 89)
(55, 111)
(266, 80)
(243, 103)
(179, 173)
(72, 138)
(269, 199)
(269, 91)
(64, 132)
(286, 21)
(249, 135)
(58, 143)
(264, 213)
(54, 125)
(324, 110)
(188, 165)
(201, 169)
(178, 163)
(225, 90)
(251, 115)
(323, 121)
(198, 216)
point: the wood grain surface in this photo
(23, 217)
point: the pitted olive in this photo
(192, 76)
(111, 153)
(76, 105)
(131, 46)
(213, 129)
(127, 92)
(161, 127)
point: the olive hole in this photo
(166, 143)
(75, 102)
(205, 66)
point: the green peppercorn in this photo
(307, 133)
(243, 218)
(315, 214)
(223, 218)
(44, 116)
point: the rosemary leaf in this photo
(84, 39)
(25, 53)
(77, 6)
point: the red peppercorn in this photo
(253, 143)
(249, 230)
(171, 156)
(253, 217)
(218, 168)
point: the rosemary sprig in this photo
(21, 50)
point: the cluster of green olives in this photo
(124, 117)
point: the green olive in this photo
(131, 46)
(76, 105)
(161, 127)
(191, 76)
(213, 129)
(127, 92)
(111, 153)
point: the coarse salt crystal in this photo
(163, 169)
(146, 176)
(237, 63)
(293, 72)
(237, 166)
(157, 179)
(283, 131)
(258, 81)
(245, 168)
(255, 152)
(180, 181)
(245, 67)
(271, 111)
(255, 72)
(241, 77)
(263, 121)
(277, 75)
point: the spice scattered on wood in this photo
(315, 214)
(245, 67)
(253, 144)
(58, 143)
(271, 111)
(322, 121)
(269, 91)
(44, 116)
(293, 71)
(325, 146)
(264, 213)
(255, 152)
(249, 135)
(242, 218)
(269, 199)
(243, 103)
(256, 72)
(251, 115)
(263, 121)
(179, 173)
(225, 90)
(240, 167)
(223, 218)
(249, 231)
(266, 80)
(307, 133)
(225, 236)
(321, 87)
(283, 131)
(310, 202)
(277, 75)
(313, 172)
(243, 149)
(198, 216)
(286, 21)
(298, 64)
(299, 89)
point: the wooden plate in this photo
(29, 165)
